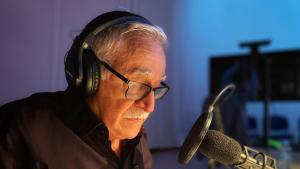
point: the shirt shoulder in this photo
(24, 110)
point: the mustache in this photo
(136, 114)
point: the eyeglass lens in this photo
(137, 91)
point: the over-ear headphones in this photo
(82, 67)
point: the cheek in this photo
(115, 110)
(113, 105)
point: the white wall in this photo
(36, 34)
(26, 48)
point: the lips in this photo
(135, 120)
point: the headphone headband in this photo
(75, 67)
(90, 37)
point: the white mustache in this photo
(136, 114)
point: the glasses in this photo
(137, 90)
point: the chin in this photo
(131, 130)
(131, 135)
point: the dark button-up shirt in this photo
(59, 131)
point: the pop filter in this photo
(201, 126)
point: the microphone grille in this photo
(221, 148)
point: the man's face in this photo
(124, 117)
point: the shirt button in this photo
(136, 166)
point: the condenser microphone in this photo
(201, 126)
(227, 151)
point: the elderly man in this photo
(115, 69)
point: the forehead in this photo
(148, 61)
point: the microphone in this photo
(201, 126)
(227, 151)
(215, 145)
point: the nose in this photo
(147, 103)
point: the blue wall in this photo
(203, 28)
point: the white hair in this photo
(107, 43)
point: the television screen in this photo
(284, 72)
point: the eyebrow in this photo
(163, 78)
(145, 72)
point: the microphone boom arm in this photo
(250, 160)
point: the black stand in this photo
(255, 60)
(255, 53)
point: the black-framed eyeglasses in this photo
(137, 90)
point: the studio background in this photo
(36, 34)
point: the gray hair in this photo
(107, 43)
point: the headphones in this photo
(82, 67)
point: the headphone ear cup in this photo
(91, 73)
(70, 69)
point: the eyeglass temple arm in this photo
(114, 72)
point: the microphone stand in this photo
(254, 50)
(255, 55)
